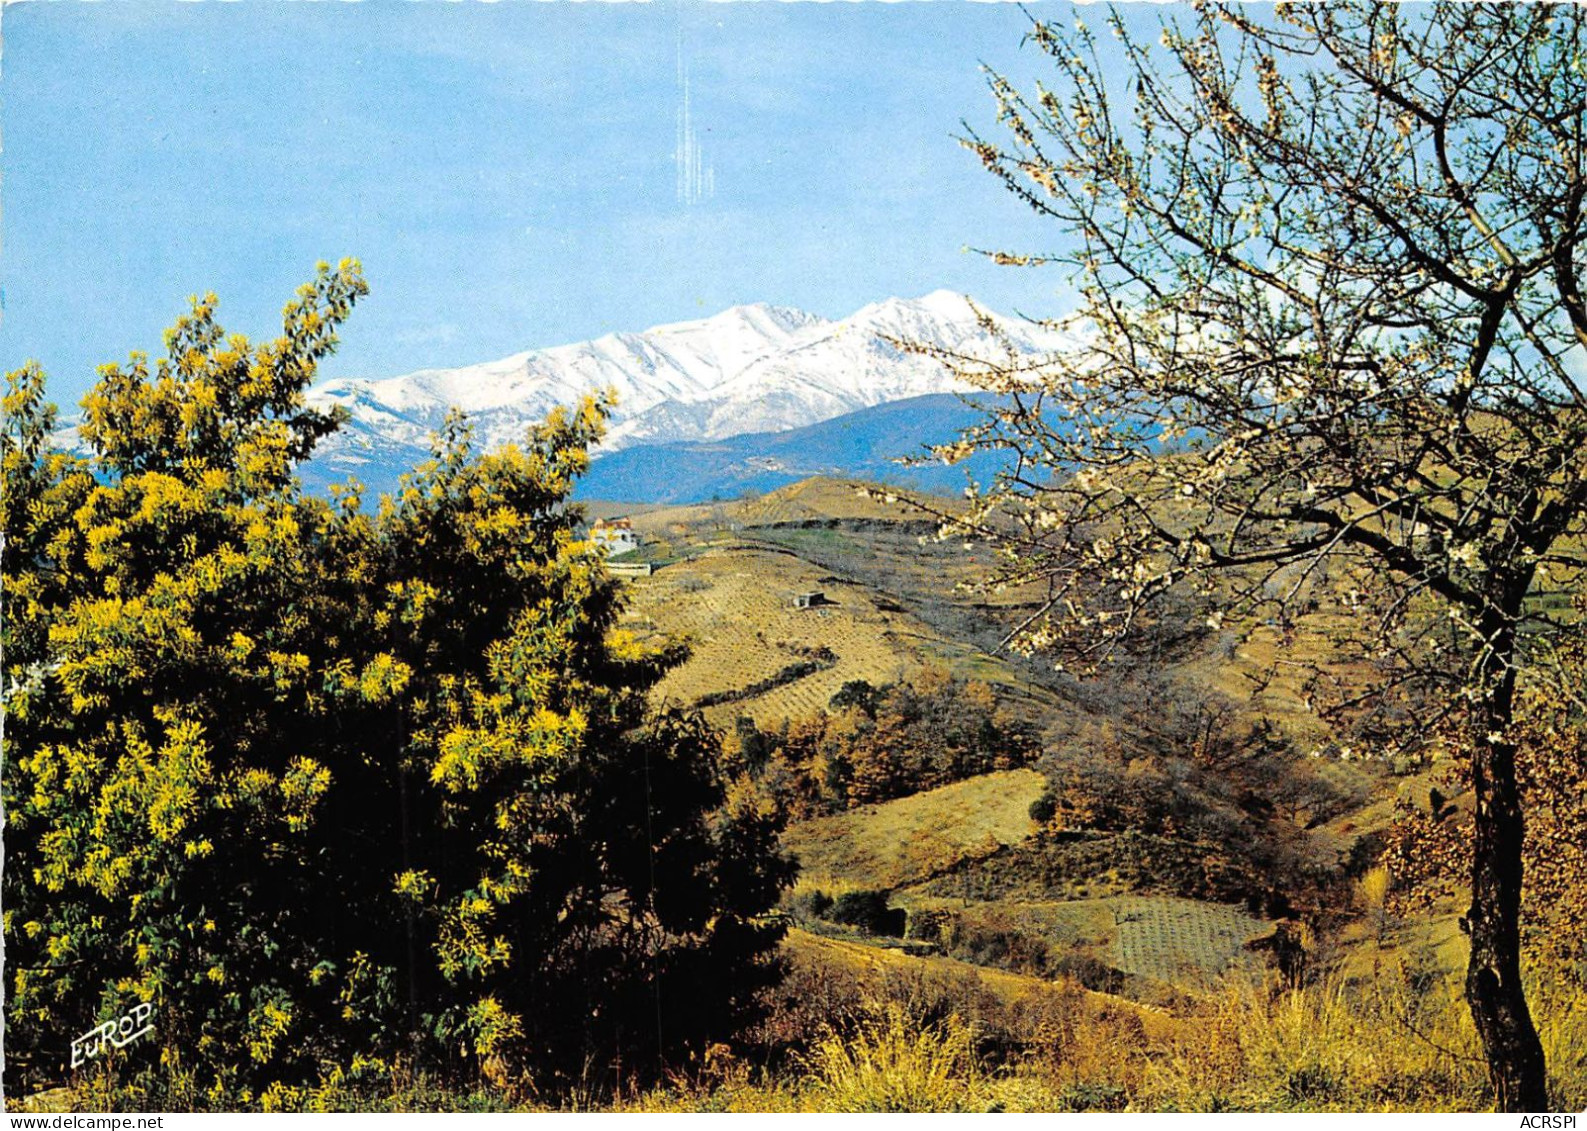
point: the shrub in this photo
(330, 785)
(894, 1065)
(878, 743)
(812, 904)
(868, 911)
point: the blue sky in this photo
(506, 172)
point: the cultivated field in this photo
(734, 603)
(1182, 941)
(899, 599)
(851, 962)
(901, 842)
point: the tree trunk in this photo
(1493, 976)
(408, 916)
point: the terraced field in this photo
(1182, 941)
(900, 842)
(735, 604)
(850, 962)
(811, 500)
(899, 601)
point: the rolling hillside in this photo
(734, 603)
(1146, 914)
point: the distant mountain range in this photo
(867, 444)
(709, 407)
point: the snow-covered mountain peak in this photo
(757, 318)
(943, 318)
(950, 305)
(751, 368)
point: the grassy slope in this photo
(841, 957)
(900, 604)
(1164, 939)
(907, 840)
(740, 566)
(735, 605)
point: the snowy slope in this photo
(868, 444)
(750, 369)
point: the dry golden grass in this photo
(820, 498)
(903, 841)
(1377, 941)
(735, 605)
(867, 965)
(1393, 1042)
(898, 1065)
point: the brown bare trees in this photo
(1331, 269)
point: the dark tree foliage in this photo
(879, 743)
(335, 787)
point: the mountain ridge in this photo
(869, 444)
(750, 369)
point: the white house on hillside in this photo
(616, 535)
